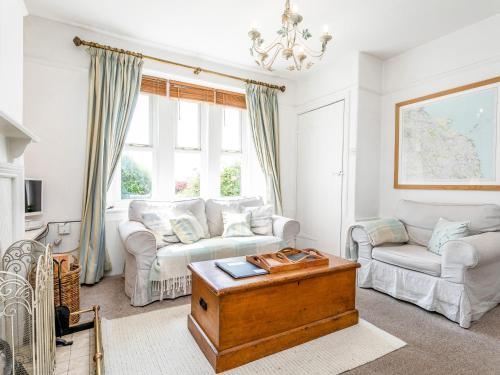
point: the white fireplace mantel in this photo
(18, 136)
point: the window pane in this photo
(230, 177)
(231, 130)
(136, 174)
(188, 125)
(139, 127)
(187, 174)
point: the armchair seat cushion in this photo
(413, 257)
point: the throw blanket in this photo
(378, 231)
(170, 273)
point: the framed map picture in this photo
(450, 139)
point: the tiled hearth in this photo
(76, 359)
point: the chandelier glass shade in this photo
(290, 43)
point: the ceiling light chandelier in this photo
(290, 43)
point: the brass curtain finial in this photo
(280, 88)
(196, 70)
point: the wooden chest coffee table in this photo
(236, 321)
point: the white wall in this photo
(367, 137)
(468, 55)
(356, 78)
(11, 121)
(55, 104)
(11, 58)
(328, 84)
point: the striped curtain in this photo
(262, 106)
(115, 80)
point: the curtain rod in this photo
(196, 70)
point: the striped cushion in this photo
(445, 231)
(159, 224)
(187, 228)
(261, 219)
(236, 224)
(387, 230)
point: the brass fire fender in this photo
(98, 355)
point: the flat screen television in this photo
(32, 196)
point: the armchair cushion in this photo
(445, 231)
(376, 232)
(412, 257)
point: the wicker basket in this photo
(70, 283)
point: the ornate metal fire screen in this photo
(27, 337)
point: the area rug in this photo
(159, 343)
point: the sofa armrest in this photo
(286, 229)
(138, 241)
(469, 252)
(364, 246)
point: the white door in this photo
(319, 177)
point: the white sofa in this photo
(462, 284)
(143, 253)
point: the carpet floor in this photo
(435, 345)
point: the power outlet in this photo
(64, 228)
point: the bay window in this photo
(188, 149)
(192, 143)
(137, 156)
(231, 156)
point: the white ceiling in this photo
(217, 29)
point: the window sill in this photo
(118, 207)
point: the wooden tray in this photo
(280, 262)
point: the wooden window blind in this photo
(232, 99)
(189, 91)
(154, 85)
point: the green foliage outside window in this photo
(230, 183)
(136, 181)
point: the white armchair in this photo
(462, 284)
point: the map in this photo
(450, 139)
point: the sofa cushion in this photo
(420, 218)
(159, 223)
(196, 206)
(236, 224)
(187, 228)
(261, 219)
(216, 206)
(412, 257)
